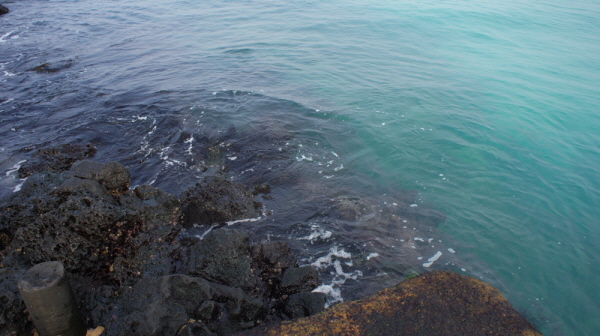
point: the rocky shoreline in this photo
(136, 271)
(131, 267)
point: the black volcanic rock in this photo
(58, 158)
(217, 200)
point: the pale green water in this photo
(501, 97)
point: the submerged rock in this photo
(435, 303)
(56, 67)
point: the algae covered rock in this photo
(435, 303)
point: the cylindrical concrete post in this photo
(50, 301)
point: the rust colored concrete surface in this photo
(435, 303)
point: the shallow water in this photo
(486, 111)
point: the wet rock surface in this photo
(218, 200)
(58, 158)
(132, 268)
(434, 303)
(3, 9)
(224, 257)
(12, 309)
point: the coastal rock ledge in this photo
(434, 303)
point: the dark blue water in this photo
(363, 118)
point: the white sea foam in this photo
(326, 260)
(317, 233)
(2, 38)
(244, 220)
(332, 259)
(451, 250)
(18, 186)
(207, 231)
(372, 255)
(414, 205)
(431, 260)
(191, 142)
(304, 158)
(419, 239)
(15, 167)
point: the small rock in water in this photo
(3, 10)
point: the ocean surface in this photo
(397, 136)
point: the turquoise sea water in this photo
(490, 109)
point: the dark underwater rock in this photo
(3, 10)
(58, 158)
(56, 67)
(218, 200)
(434, 303)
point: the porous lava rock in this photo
(223, 257)
(218, 200)
(77, 218)
(112, 175)
(304, 304)
(434, 303)
(131, 269)
(58, 158)
(160, 306)
(12, 308)
(299, 279)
